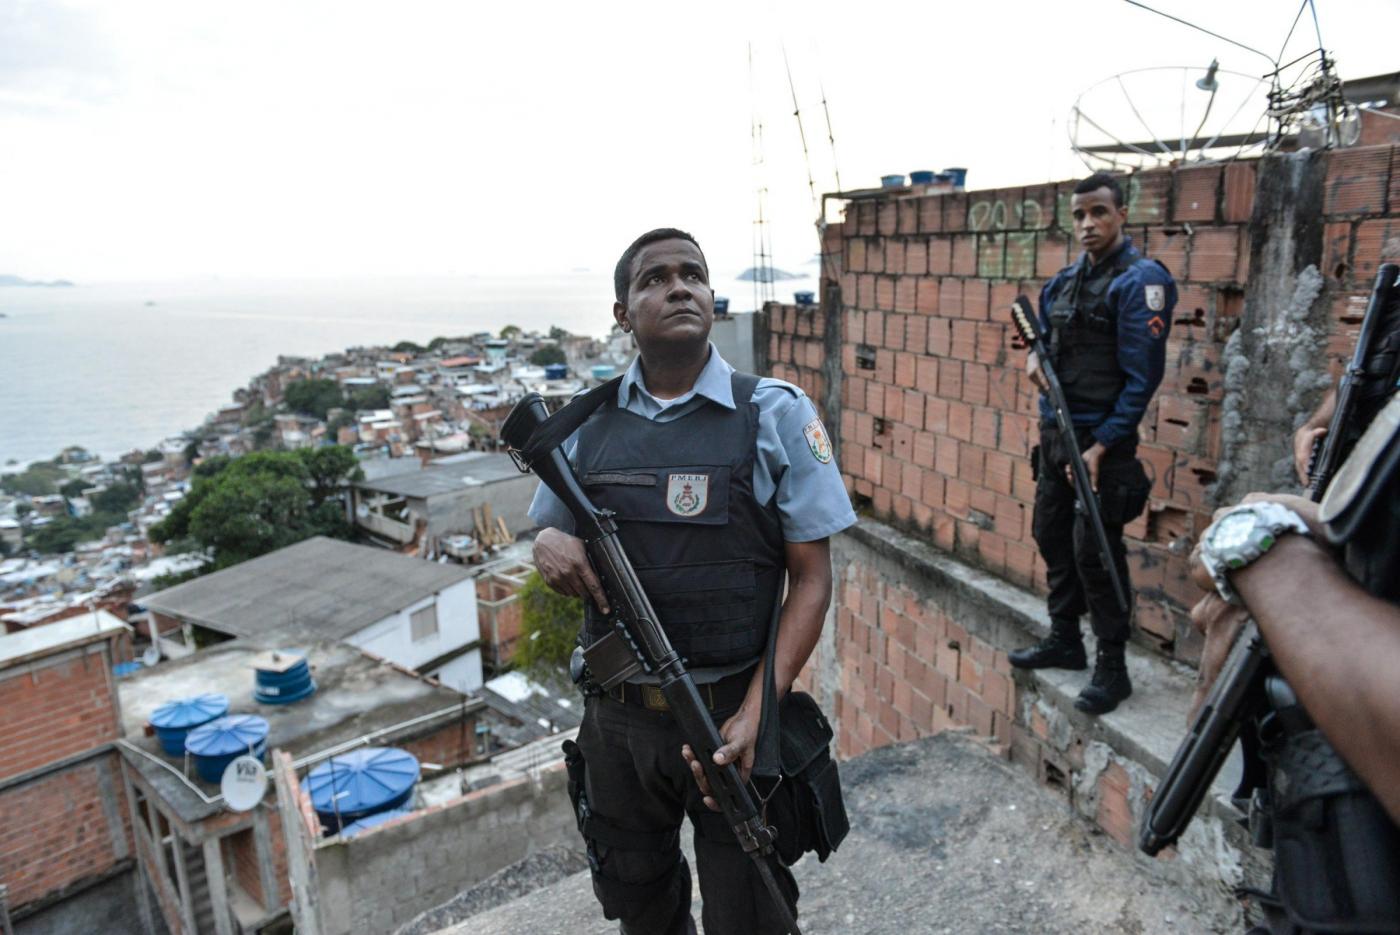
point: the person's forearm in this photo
(1339, 648)
(1323, 416)
(799, 628)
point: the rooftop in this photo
(319, 589)
(447, 476)
(37, 642)
(356, 694)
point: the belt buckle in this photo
(653, 700)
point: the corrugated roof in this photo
(318, 589)
(445, 477)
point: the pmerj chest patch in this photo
(817, 440)
(1156, 296)
(687, 494)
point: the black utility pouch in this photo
(806, 806)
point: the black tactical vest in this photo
(708, 553)
(1084, 336)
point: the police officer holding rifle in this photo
(1304, 597)
(1105, 319)
(718, 485)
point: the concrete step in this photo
(946, 837)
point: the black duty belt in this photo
(726, 693)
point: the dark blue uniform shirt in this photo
(1143, 297)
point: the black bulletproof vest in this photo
(1084, 336)
(708, 553)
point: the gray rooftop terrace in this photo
(462, 472)
(320, 589)
(356, 694)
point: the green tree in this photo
(549, 354)
(549, 625)
(40, 479)
(74, 488)
(408, 347)
(241, 508)
(313, 397)
(510, 332)
(558, 333)
(368, 397)
(119, 498)
(153, 456)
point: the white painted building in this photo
(417, 614)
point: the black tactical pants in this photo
(1075, 570)
(640, 789)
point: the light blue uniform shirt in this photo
(810, 496)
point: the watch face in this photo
(1232, 532)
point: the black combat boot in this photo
(1110, 684)
(1062, 649)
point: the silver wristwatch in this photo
(1241, 536)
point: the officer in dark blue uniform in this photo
(1107, 315)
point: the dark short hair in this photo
(1101, 180)
(623, 271)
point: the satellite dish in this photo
(244, 783)
(151, 656)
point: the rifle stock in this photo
(1023, 316)
(637, 623)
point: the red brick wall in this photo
(452, 745)
(56, 711)
(908, 670)
(54, 832)
(936, 416)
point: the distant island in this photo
(6, 279)
(754, 274)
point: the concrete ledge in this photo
(1106, 766)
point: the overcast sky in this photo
(149, 140)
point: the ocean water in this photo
(122, 366)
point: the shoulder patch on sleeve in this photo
(1155, 295)
(817, 441)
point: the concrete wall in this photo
(378, 880)
(110, 907)
(733, 335)
(912, 361)
(392, 637)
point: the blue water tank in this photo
(362, 782)
(282, 676)
(957, 176)
(174, 719)
(215, 745)
(602, 371)
(891, 181)
(805, 298)
(721, 305)
(369, 821)
(556, 371)
(921, 177)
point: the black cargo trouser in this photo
(638, 784)
(1075, 570)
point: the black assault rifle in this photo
(1087, 500)
(1239, 692)
(638, 644)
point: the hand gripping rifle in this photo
(637, 635)
(1246, 680)
(1087, 501)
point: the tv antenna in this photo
(1185, 114)
(762, 270)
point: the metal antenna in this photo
(1248, 48)
(762, 245)
(830, 136)
(802, 134)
